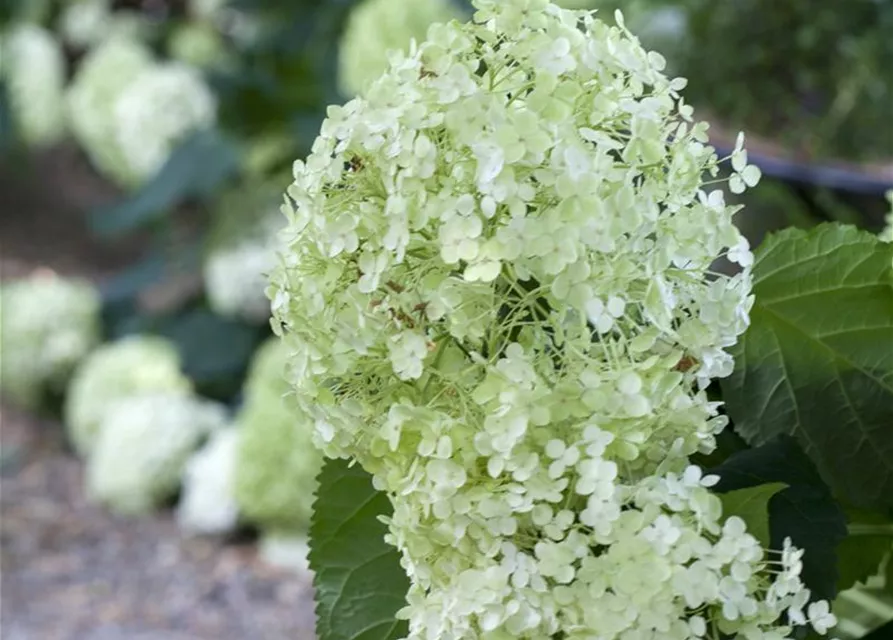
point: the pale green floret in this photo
(208, 503)
(376, 27)
(132, 366)
(277, 463)
(34, 70)
(143, 445)
(48, 325)
(101, 78)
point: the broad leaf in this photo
(861, 555)
(215, 351)
(195, 169)
(752, 506)
(817, 360)
(359, 582)
(805, 511)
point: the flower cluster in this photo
(276, 462)
(497, 297)
(129, 111)
(237, 265)
(87, 23)
(117, 371)
(48, 325)
(34, 70)
(207, 504)
(143, 444)
(376, 27)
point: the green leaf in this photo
(752, 506)
(195, 169)
(817, 360)
(805, 511)
(215, 351)
(359, 582)
(861, 554)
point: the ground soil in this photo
(69, 570)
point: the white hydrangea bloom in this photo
(887, 234)
(143, 445)
(197, 44)
(34, 69)
(48, 325)
(236, 274)
(85, 22)
(102, 76)
(277, 463)
(162, 104)
(376, 27)
(134, 365)
(497, 297)
(285, 551)
(208, 504)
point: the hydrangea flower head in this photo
(102, 76)
(132, 366)
(49, 324)
(129, 111)
(34, 70)
(376, 27)
(276, 462)
(497, 297)
(208, 504)
(144, 443)
(156, 110)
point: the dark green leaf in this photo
(805, 511)
(215, 351)
(817, 360)
(861, 555)
(195, 169)
(359, 582)
(752, 506)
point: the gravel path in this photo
(71, 571)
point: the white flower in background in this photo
(277, 463)
(236, 274)
(887, 234)
(128, 112)
(85, 22)
(48, 324)
(197, 44)
(34, 70)
(207, 503)
(497, 297)
(375, 27)
(206, 9)
(143, 445)
(131, 366)
(285, 551)
(160, 106)
(101, 78)
(88, 23)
